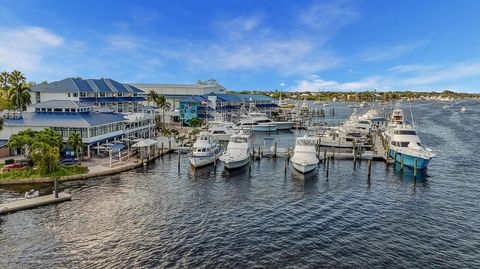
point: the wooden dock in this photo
(33, 202)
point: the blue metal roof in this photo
(112, 99)
(3, 143)
(85, 85)
(61, 104)
(65, 119)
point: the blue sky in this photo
(248, 45)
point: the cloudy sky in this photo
(257, 44)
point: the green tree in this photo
(23, 141)
(152, 97)
(45, 156)
(75, 142)
(4, 82)
(163, 105)
(19, 96)
(195, 122)
(16, 78)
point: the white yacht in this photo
(304, 158)
(238, 151)
(204, 150)
(405, 144)
(262, 118)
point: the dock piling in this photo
(178, 160)
(275, 149)
(328, 165)
(415, 168)
(401, 163)
(55, 187)
(369, 168)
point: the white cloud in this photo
(388, 53)
(25, 48)
(282, 84)
(315, 83)
(413, 68)
(446, 73)
(328, 15)
(122, 42)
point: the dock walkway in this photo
(33, 202)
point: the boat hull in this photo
(284, 125)
(233, 164)
(409, 160)
(264, 128)
(199, 161)
(304, 168)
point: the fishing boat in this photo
(404, 143)
(262, 118)
(406, 148)
(304, 158)
(204, 150)
(238, 151)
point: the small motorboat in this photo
(238, 151)
(31, 194)
(304, 158)
(463, 109)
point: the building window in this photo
(75, 94)
(57, 109)
(82, 94)
(49, 109)
(102, 94)
(37, 97)
(68, 94)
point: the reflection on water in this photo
(214, 217)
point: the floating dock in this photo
(33, 202)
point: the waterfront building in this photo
(230, 106)
(103, 92)
(67, 116)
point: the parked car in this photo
(10, 167)
(17, 165)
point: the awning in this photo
(144, 143)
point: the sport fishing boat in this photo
(304, 158)
(261, 118)
(204, 150)
(405, 144)
(238, 151)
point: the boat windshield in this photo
(237, 139)
(264, 121)
(305, 142)
(200, 150)
(405, 132)
(402, 144)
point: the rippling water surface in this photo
(158, 217)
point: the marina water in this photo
(214, 218)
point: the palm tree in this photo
(163, 105)
(75, 142)
(16, 78)
(4, 81)
(19, 96)
(152, 97)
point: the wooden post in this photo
(178, 150)
(328, 165)
(286, 164)
(162, 150)
(250, 166)
(395, 158)
(369, 168)
(324, 157)
(55, 188)
(401, 163)
(275, 149)
(415, 168)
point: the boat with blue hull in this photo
(409, 160)
(404, 143)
